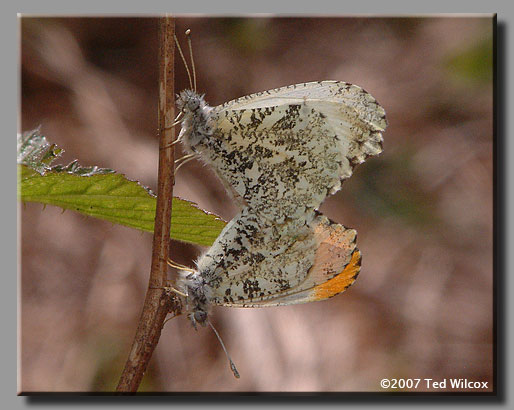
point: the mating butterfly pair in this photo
(280, 153)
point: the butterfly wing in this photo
(283, 151)
(256, 264)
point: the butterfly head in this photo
(188, 101)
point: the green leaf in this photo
(103, 194)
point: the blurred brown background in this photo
(422, 306)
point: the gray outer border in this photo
(10, 43)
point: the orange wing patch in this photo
(336, 265)
(340, 282)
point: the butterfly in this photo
(280, 153)
(254, 263)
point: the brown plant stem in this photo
(158, 302)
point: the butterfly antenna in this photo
(232, 365)
(184, 61)
(188, 35)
